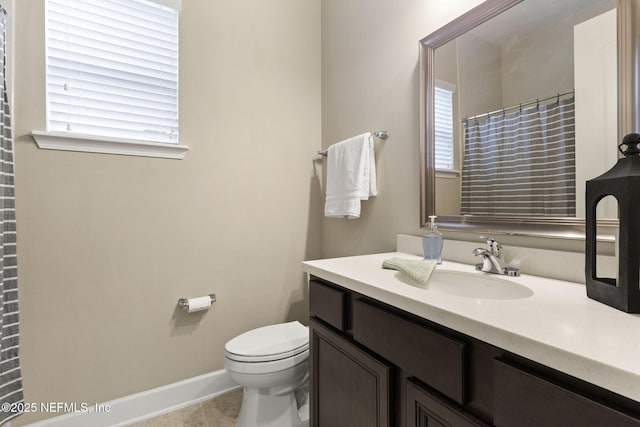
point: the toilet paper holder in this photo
(184, 302)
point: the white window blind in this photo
(112, 69)
(443, 113)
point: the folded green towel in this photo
(418, 270)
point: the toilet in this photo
(271, 363)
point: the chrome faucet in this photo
(492, 261)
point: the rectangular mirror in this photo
(519, 107)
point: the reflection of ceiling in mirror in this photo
(532, 15)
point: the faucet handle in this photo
(494, 246)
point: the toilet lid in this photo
(269, 343)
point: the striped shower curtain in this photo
(10, 377)
(521, 163)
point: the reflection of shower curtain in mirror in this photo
(10, 377)
(521, 163)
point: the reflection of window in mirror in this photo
(447, 147)
(444, 128)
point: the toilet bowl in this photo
(272, 365)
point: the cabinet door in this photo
(349, 387)
(426, 409)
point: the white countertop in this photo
(557, 326)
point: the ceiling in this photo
(534, 15)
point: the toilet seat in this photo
(265, 368)
(269, 343)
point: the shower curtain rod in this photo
(503, 110)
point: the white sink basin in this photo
(476, 285)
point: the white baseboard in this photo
(147, 404)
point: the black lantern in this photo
(622, 181)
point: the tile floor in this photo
(219, 412)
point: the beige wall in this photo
(370, 82)
(538, 65)
(107, 244)
(480, 76)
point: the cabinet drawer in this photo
(430, 356)
(523, 398)
(328, 303)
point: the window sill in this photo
(445, 173)
(107, 145)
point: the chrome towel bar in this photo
(381, 134)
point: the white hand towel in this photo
(418, 270)
(351, 176)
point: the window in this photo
(112, 71)
(444, 125)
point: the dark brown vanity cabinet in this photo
(373, 365)
(367, 361)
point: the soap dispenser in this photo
(432, 241)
